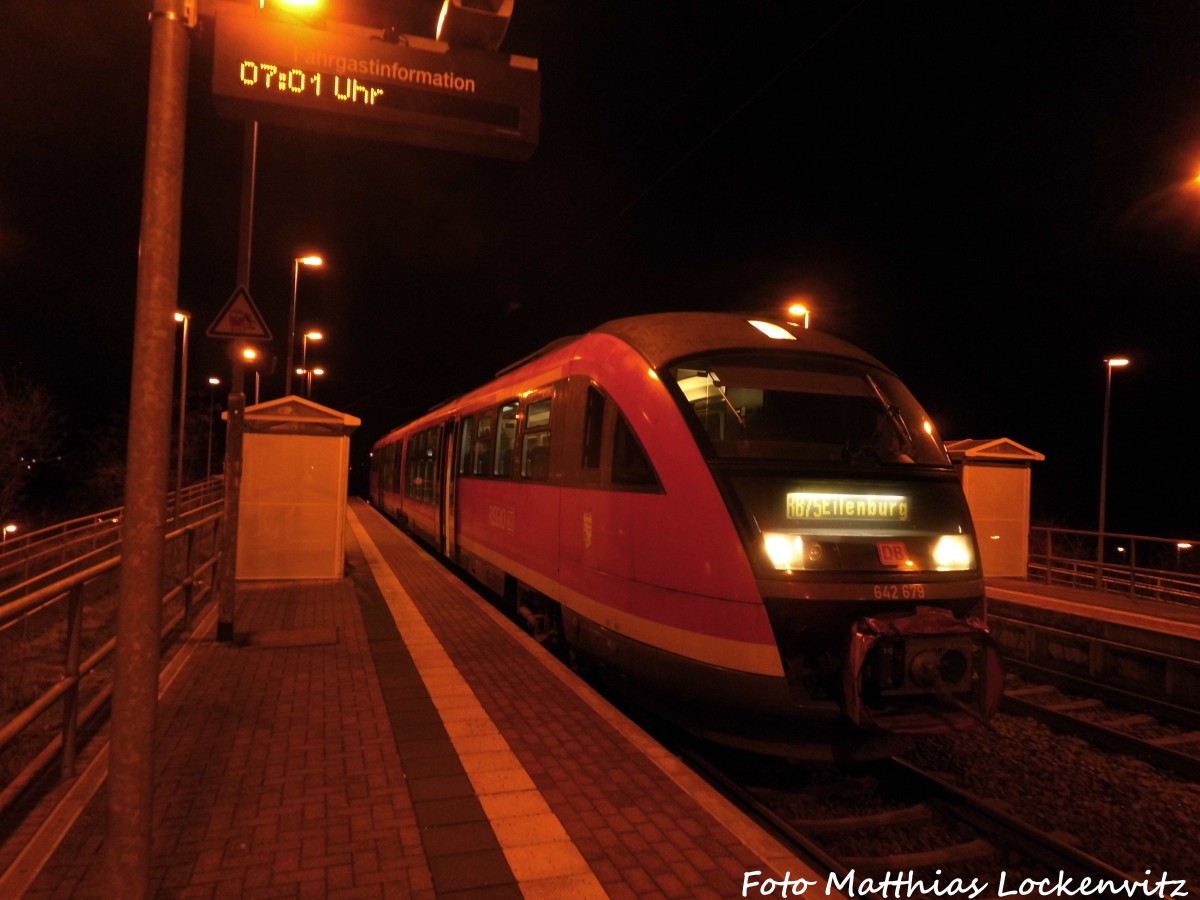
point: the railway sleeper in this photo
(1075, 705)
(907, 816)
(1175, 740)
(972, 851)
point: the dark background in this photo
(990, 197)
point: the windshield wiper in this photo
(891, 413)
(721, 390)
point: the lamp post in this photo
(308, 336)
(800, 310)
(213, 381)
(1179, 548)
(309, 373)
(299, 261)
(1109, 365)
(186, 319)
(249, 356)
(8, 529)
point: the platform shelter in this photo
(295, 472)
(997, 479)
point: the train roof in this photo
(664, 337)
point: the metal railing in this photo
(55, 551)
(57, 640)
(1134, 565)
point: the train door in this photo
(449, 486)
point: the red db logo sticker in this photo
(892, 553)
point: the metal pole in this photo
(1103, 472)
(1101, 524)
(183, 366)
(287, 390)
(212, 405)
(226, 585)
(139, 613)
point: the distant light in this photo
(1117, 361)
(314, 335)
(249, 353)
(214, 381)
(773, 331)
(1184, 545)
(928, 426)
(181, 316)
(310, 261)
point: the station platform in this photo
(390, 734)
(1162, 617)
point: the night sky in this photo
(991, 198)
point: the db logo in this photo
(892, 553)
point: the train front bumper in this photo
(921, 672)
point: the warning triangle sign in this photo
(240, 318)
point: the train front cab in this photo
(858, 533)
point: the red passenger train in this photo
(752, 525)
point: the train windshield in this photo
(809, 408)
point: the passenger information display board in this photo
(348, 81)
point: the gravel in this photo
(1118, 809)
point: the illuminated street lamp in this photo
(308, 336)
(1109, 365)
(186, 319)
(1179, 548)
(296, 264)
(799, 310)
(249, 356)
(213, 381)
(318, 371)
(8, 529)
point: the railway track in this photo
(893, 823)
(1170, 742)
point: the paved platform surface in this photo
(391, 735)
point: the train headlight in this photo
(786, 551)
(953, 553)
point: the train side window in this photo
(466, 445)
(535, 441)
(506, 439)
(419, 476)
(593, 427)
(481, 449)
(630, 465)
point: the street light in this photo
(296, 264)
(250, 357)
(1109, 365)
(800, 310)
(1179, 548)
(318, 371)
(213, 381)
(186, 319)
(8, 529)
(308, 336)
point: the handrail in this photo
(40, 555)
(196, 546)
(1138, 566)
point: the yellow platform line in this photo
(542, 856)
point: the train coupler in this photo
(921, 672)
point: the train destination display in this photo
(348, 81)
